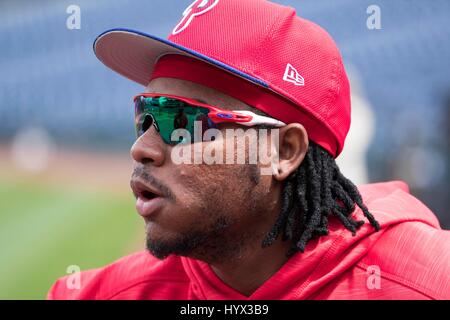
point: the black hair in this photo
(313, 192)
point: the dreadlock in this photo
(313, 192)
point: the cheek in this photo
(197, 194)
(205, 191)
(211, 189)
(198, 182)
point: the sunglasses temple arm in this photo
(261, 120)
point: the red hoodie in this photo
(408, 259)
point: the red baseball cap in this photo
(254, 50)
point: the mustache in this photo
(140, 173)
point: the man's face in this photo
(209, 212)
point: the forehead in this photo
(195, 91)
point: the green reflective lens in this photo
(168, 114)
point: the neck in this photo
(254, 266)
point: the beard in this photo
(219, 236)
(209, 244)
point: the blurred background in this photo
(66, 122)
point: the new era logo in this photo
(292, 75)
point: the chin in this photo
(161, 245)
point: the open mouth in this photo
(147, 195)
(143, 191)
(148, 200)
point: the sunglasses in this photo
(167, 113)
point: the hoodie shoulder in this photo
(415, 255)
(136, 276)
(391, 203)
(413, 250)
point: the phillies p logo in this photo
(198, 7)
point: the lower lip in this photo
(147, 207)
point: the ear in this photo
(292, 150)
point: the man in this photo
(227, 231)
(180, 120)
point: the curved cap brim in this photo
(133, 54)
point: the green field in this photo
(44, 229)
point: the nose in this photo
(149, 148)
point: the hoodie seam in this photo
(319, 263)
(195, 279)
